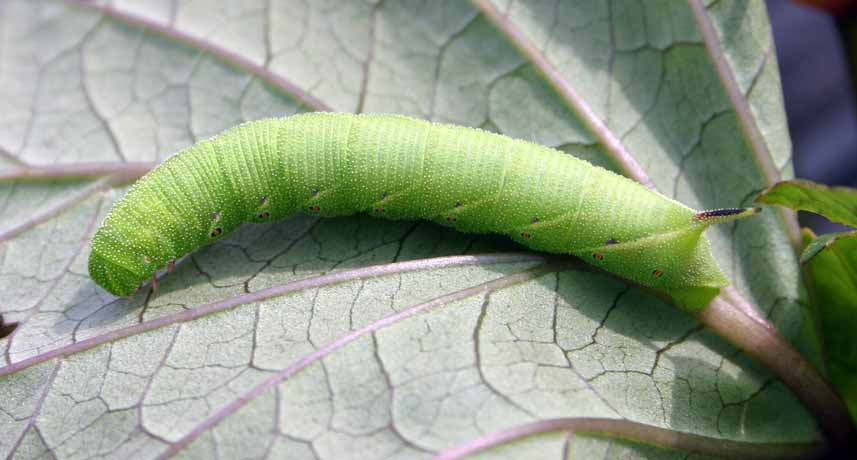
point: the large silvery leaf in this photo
(364, 338)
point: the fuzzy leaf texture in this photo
(391, 339)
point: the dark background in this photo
(818, 89)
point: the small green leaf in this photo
(824, 241)
(830, 272)
(839, 204)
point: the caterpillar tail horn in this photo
(719, 216)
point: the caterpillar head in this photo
(124, 254)
(116, 264)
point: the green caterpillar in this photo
(403, 168)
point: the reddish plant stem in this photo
(768, 347)
(122, 171)
(642, 433)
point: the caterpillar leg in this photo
(130, 296)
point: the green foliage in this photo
(830, 272)
(831, 276)
(839, 204)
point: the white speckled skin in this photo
(403, 168)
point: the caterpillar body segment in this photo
(398, 167)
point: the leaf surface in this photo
(404, 355)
